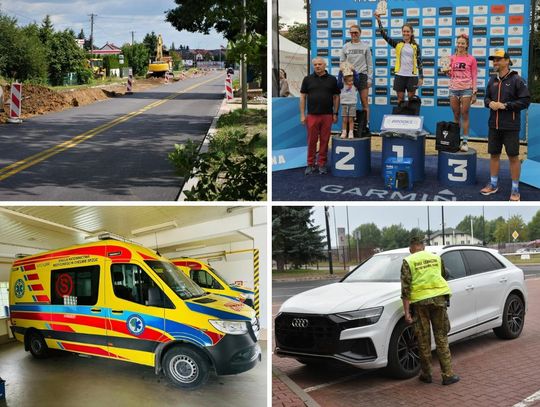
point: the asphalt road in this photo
(113, 150)
(283, 290)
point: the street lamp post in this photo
(243, 69)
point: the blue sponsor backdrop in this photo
(490, 24)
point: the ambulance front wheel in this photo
(186, 367)
(38, 347)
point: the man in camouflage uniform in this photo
(425, 292)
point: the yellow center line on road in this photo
(25, 163)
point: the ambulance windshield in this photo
(178, 282)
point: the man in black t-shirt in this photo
(322, 94)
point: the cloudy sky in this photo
(291, 11)
(415, 216)
(114, 21)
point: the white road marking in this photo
(529, 401)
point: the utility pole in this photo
(92, 32)
(428, 228)
(329, 244)
(348, 235)
(132, 37)
(442, 216)
(243, 69)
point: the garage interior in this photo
(226, 237)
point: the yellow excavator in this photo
(161, 64)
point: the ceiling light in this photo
(155, 228)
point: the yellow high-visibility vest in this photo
(399, 47)
(427, 281)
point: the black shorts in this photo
(405, 83)
(362, 81)
(508, 138)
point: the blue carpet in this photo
(293, 185)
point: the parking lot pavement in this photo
(493, 372)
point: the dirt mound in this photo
(39, 100)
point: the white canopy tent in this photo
(293, 59)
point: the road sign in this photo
(515, 235)
(357, 234)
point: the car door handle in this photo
(503, 280)
(95, 310)
(116, 311)
(469, 287)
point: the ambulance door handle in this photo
(114, 311)
(95, 310)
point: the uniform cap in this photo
(500, 53)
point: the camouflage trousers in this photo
(437, 316)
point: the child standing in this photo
(348, 100)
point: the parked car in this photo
(360, 321)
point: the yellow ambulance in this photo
(209, 279)
(122, 301)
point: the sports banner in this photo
(490, 25)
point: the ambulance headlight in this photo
(230, 327)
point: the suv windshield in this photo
(177, 281)
(382, 267)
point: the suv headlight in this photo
(230, 327)
(367, 316)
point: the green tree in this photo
(500, 233)
(516, 223)
(477, 228)
(298, 33)
(64, 56)
(295, 240)
(150, 42)
(137, 56)
(394, 237)
(46, 30)
(370, 235)
(534, 227)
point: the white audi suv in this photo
(359, 320)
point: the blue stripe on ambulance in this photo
(240, 290)
(215, 312)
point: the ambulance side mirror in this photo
(154, 297)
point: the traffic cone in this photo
(228, 88)
(129, 90)
(15, 104)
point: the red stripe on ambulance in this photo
(124, 254)
(89, 349)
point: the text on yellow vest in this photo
(427, 281)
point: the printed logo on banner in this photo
(397, 12)
(413, 21)
(480, 21)
(335, 61)
(428, 32)
(322, 52)
(348, 23)
(393, 54)
(515, 41)
(381, 91)
(498, 9)
(322, 43)
(429, 82)
(337, 33)
(393, 99)
(396, 22)
(493, 41)
(367, 33)
(336, 52)
(515, 52)
(366, 13)
(395, 32)
(446, 11)
(381, 81)
(498, 20)
(322, 14)
(428, 62)
(445, 52)
(462, 21)
(496, 31)
(481, 83)
(442, 92)
(351, 13)
(445, 32)
(413, 12)
(444, 42)
(336, 13)
(463, 11)
(428, 52)
(322, 23)
(479, 30)
(381, 62)
(481, 62)
(443, 82)
(381, 100)
(462, 30)
(480, 10)
(443, 102)
(322, 33)
(337, 24)
(427, 91)
(479, 52)
(428, 102)
(393, 63)
(479, 42)
(366, 23)
(445, 21)
(380, 42)
(515, 30)
(337, 43)
(369, 42)
(428, 42)
(429, 11)
(481, 72)
(381, 52)
(428, 22)
(516, 8)
(516, 62)
(429, 72)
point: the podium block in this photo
(456, 169)
(401, 147)
(351, 157)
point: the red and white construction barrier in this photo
(15, 104)
(129, 90)
(168, 77)
(228, 87)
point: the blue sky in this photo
(114, 21)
